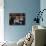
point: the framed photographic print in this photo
(16, 18)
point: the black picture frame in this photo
(16, 18)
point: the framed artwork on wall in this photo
(16, 18)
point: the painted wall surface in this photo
(43, 6)
(29, 7)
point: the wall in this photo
(43, 6)
(29, 7)
(1, 21)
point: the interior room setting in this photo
(22, 22)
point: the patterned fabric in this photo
(28, 40)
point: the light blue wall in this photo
(43, 6)
(29, 7)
